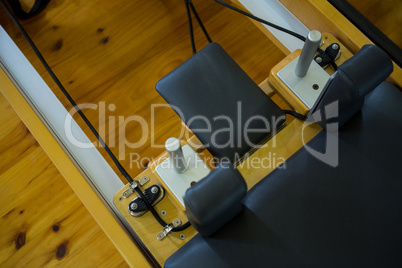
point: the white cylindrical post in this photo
(176, 156)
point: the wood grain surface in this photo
(42, 221)
(72, 174)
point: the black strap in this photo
(190, 8)
(16, 7)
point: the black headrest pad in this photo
(209, 90)
(215, 200)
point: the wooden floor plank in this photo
(42, 221)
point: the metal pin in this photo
(306, 57)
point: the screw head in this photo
(335, 47)
(315, 86)
(163, 212)
(120, 198)
(133, 206)
(182, 236)
(154, 190)
(318, 59)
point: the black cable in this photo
(190, 24)
(299, 36)
(295, 114)
(199, 21)
(38, 6)
(181, 227)
(66, 94)
(150, 207)
(190, 8)
(333, 64)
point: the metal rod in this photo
(306, 57)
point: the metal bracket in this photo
(130, 190)
(143, 180)
(167, 229)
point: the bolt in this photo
(182, 236)
(133, 206)
(335, 47)
(154, 190)
(176, 222)
(163, 212)
(318, 59)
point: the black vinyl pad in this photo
(310, 214)
(218, 101)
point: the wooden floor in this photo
(102, 51)
(42, 221)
